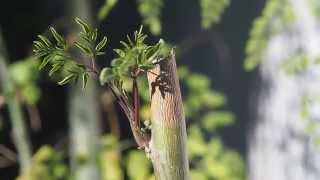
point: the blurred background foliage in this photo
(278, 17)
(24, 74)
(207, 110)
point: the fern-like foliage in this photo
(276, 16)
(134, 57)
(59, 55)
(211, 11)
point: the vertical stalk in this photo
(84, 125)
(19, 132)
(83, 115)
(168, 140)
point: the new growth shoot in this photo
(131, 61)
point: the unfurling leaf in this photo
(106, 76)
(102, 43)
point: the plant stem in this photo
(20, 135)
(168, 139)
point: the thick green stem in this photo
(168, 140)
(19, 132)
(83, 115)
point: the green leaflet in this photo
(57, 55)
(134, 54)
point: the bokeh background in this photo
(249, 72)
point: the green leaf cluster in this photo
(59, 56)
(24, 76)
(295, 64)
(110, 152)
(135, 56)
(150, 11)
(87, 42)
(211, 11)
(47, 164)
(200, 95)
(208, 157)
(133, 163)
(138, 166)
(211, 160)
(310, 119)
(276, 16)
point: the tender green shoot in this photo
(56, 53)
(135, 55)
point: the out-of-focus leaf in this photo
(46, 164)
(106, 8)
(150, 11)
(110, 159)
(138, 166)
(198, 175)
(216, 119)
(211, 11)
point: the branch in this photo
(19, 130)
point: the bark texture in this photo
(168, 139)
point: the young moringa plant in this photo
(134, 59)
(167, 145)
